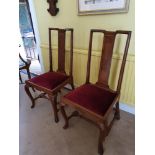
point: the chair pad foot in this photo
(32, 106)
(56, 120)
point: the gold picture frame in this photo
(90, 7)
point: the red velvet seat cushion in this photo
(49, 80)
(92, 98)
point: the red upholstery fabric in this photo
(49, 80)
(91, 97)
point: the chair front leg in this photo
(64, 116)
(53, 100)
(30, 95)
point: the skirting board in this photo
(127, 108)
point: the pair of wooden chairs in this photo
(91, 101)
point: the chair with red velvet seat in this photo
(96, 102)
(51, 82)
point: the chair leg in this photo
(72, 84)
(117, 112)
(20, 77)
(53, 100)
(28, 73)
(65, 117)
(100, 140)
(30, 96)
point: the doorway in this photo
(28, 37)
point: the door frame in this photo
(36, 31)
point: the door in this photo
(28, 36)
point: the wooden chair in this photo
(96, 101)
(51, 82)
(24, 64)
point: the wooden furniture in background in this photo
(24, 64)
(96, 101)
(51, 82)
(53, 10)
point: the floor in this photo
(40, 135)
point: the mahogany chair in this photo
(51, 82)
(24, 64)
(96, 102)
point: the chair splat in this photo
(106, 57)
(61, 50)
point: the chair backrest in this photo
(106, 56)
(61, 49)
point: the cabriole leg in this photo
(100, 141)
(30, 96)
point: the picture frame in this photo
(90, 7)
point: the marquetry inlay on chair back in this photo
(61, 49)
(106, 56)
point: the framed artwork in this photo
(86, 7)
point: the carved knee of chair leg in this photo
(30, 95)
(28, 73)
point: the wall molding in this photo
(119, 56)
(127, 108)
